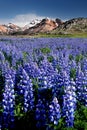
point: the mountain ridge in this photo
(75, 25)
(47, 25)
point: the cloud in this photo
(21, 19)
(24, 19)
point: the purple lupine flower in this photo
(85, 88)
(26, 89)
(79, 84)
(57, 84)
(46, 75)
(69, 101)
(40, 114)
(8, 102)
(54, 111)
(32, 69)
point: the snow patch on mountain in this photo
(32, 23)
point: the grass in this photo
(43, 35)
(74, 35)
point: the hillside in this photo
(75, 25)
(47, 26)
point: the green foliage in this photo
(18, 112)
(71, 57)
(80, 122)
(25, 121)
(61, 124)
(8, 58)
(45, 50)
(78, 58)
(25, 54)
(85, 112)
(50, 58)
(40, 58)
(19, 62)
(35, 87)
(58, 68)
(35, 83)
(73, 73)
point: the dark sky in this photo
(64, 9)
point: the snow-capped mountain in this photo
(45, 25)
(32, 23)
(35, 26)
(10, 28)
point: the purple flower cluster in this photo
(26, 89)
(41, 114)
(69, 101)
(8, 102)
(54, 111)
(49, 84)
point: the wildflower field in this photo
(43, 83)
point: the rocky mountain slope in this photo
(75, 25)
(57, 26)
(9, 29)
(3, 29)
(45, 26)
